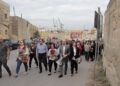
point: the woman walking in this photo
(32, 55)
(23, 53)
(79, 48)
(52, 56)
(74, 55)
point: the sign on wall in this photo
(76, 35)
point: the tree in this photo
(36, 34)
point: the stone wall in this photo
(111, 58)
(21, 29)
(4, 19)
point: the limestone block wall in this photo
(21, 29)
(111, 58)
(4, 19)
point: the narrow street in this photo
(36, 79)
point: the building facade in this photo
(21, 29)
(111, 58)
(80, 34)
(4, 19)
(33, 29)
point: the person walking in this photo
(92, 51)
(83, 48)
(52, 56)
(32, 55)
(87, 50)
(74, 55)
(79, 47)
(41, 52)
(4, 56)
(64, 52)
(23, 53)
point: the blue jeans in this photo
(19, 62)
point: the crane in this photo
(14, 11)
(55, 24)
(60, 25)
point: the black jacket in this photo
(72, 53)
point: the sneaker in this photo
(0, 76)
(10, 75)
(30, 68)
(49, 74)
(25, 73)
(40, 72)
(60, 76)
(71, 75)
(16, 76)
(65, 73)
(76, 72)
(55, 72)
(46, 70)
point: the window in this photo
(6, 32)
(5, 16)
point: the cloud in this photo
(73, 13)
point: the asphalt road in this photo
(35, 79)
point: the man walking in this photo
(41, 51)
(87, 50)
(64, 54)
(4, 54)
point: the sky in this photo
(74, 14)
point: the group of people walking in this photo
(59, 55)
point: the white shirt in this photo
(87, 47)
(27, 51)
(74, 50)
(63, 50)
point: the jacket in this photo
(72, 53)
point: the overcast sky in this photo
(73, 14)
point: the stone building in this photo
(79, 34)
(111, 58)
(4, 19)
(21, 29)
(33, 29)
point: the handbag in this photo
(59, 61)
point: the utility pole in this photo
(98, 24)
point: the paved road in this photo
(36, 79)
